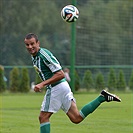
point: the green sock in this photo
(45, 127)
(90, 107)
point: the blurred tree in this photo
(99, 84)
(88, 81)
(131, 81)
(103, 31)
(107, 25)
(121, 83)
(25, 81)
(14, 80)
(77, 81)
(42, 18)
(112, 82)
(2, 81)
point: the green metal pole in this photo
(73, 46)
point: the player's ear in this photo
(38, 43)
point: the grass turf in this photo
(19, 114)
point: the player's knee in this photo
(42, 118)
(76, 120)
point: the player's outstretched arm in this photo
(56, 77)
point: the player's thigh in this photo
(73, 113)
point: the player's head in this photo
(32, 43)
(31, 35)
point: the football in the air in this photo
(69, 13)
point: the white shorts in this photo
(58, 97)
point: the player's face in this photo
(32, 46)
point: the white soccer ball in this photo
(69, 13)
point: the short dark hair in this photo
(31, 35)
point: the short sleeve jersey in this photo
(45, 63)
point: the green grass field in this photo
(19, 114)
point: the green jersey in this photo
(45, 63)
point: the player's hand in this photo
(38, 87)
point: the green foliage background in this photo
(112, 82)
(14, 79)
(104, 31)
(25, 81)
(2, 82)
(131, 81)
(88, 81)
(104, 34)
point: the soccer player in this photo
(58, 94)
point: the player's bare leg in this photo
(44, 122)
(76, 117)
(74, 114)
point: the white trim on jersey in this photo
(53, 66)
